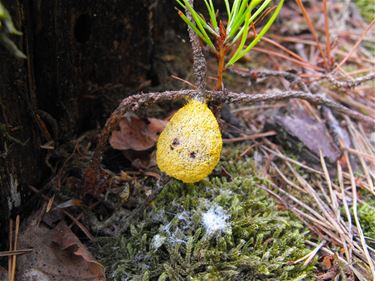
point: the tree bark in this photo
(78, 52)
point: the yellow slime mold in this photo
(189, 147)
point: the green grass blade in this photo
(212, 14)
(199, 22)
(258, 37)
(240, 18)
(235, 8)
(254, 3)
(228, 10)
(181, 4)
(253, 17)
(215, 25)
(192, 26)
(245, 32)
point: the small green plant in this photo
(228, 38)
(7, 28)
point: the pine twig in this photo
(199, 64)
(289, 76)
(351, 83)
(135, 102)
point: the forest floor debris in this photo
(282, 215)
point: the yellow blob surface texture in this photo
(189, 147)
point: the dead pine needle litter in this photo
(189, 147)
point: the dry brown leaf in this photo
(156, 125)
(58, 255)
(327, 262)
(136, 134)
(303, 133)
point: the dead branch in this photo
(347, 84)
(254, 75)
(134, 103)
(199, 65)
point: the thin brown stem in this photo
(327, 34)
(312, 29)
(222, 51)
(220, 68)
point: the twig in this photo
(350, 83)
(277, 95)
(184, 81)
(135, 102)
(199, 65)
(291, 77)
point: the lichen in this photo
(251, 239)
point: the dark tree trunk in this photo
(79, 52)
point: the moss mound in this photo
(366, 213)
(367, 8)
(214, 230)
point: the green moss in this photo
(257, 241)
(366, 213)
(367, 8)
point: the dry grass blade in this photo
(281, 47)
(318, 206)
(363, 150)
(10, 259)
(76, 221)
(356, 219)
(358, 274)
(303, 64)
(327, 33)
(334, 202)
(250, 137)
(312, 29)
(364, 33)
(310, 255)
(15, 252)
(13, 247)
(366, 156)
(348, 251)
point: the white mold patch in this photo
(216, 220)
(157, 241)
